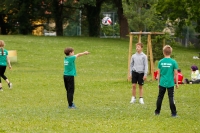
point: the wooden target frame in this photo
(149, 49)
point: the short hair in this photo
(179, 70)
(140, 44)
(167, 50)
(68, 50)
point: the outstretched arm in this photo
(81, 54)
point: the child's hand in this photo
(129, 77)
(10, 67)
(145, 77)
(177, 86)
(86, 52)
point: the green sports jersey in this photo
(69, 66)
(3, 58)
(167, 67)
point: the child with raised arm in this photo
(138, 72)
(69, 73)
(4, 61)
(167, 70)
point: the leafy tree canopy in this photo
(181, 12)
(141, 15)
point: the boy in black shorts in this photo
(138, 71)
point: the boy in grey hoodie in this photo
(138, 72)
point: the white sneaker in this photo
(141, 101)
(10, 85)
(133, 99)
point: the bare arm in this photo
(158, 76)
(145, 68)
(8, 61)
(176, 77)
(81, 54)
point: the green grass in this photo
(37, 103)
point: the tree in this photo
(142, 16)
(180, 12)
(124, 30)
(93, 17)
(24, 12)
(18, 11)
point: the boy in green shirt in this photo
(167, 68)
(69, 73)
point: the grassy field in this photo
(37, 103)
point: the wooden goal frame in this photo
(149, 49)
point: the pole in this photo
(129, 55)
(80, 21)
(151, 56)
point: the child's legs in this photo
(2, 71)
(141, 90)
(196, 81)
(69, 86)
(134, 82)
(134, 90)
(161, 94)
(171, 100)
(0, 83)
(141, 83)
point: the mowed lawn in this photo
(37, 103)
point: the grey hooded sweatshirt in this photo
(139, 63)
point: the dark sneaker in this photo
(157, 113)
(174, 115)
(72, 107)
(10, 85)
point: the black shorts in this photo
(137, 78)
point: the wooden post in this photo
(129, 55)
(148, 57)
(149, 49)
(139, 38)
(163, 42)
(151, 56)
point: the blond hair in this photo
(167, 50)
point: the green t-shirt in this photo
(3, 58)
(167, 67)
(69, 66)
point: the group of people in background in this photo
(195, 76)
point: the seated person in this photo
(195, 76)
(180, 77)
(197, 81)
(156, 75)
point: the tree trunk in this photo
(58, 17)
(59, 26)
(124, 30)
(93, 17)
(2, 25)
